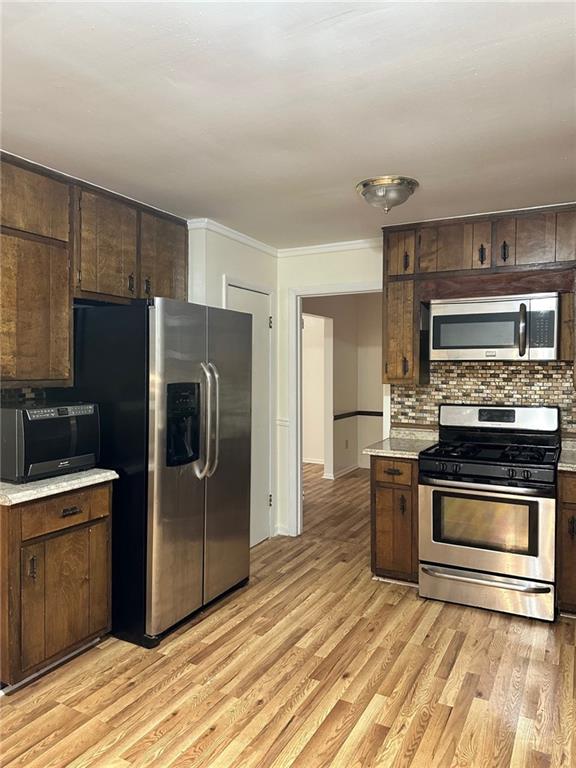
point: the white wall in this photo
(215, 251)
(371, 392)
(304, 271)
(313, 405)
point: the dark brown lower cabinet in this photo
(566, 543)
(394, 520)
(55, 587)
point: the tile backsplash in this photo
(496, 383)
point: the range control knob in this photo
(443, 466)
(456, 468)
(526, 474)
(511, 472)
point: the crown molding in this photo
(231, 234)
(344, 245)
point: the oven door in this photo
(487, 528)
(478, 330)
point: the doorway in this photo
(317, 392)
(258, 303)
(354, 425)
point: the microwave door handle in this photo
(522, 330)
(207, 420)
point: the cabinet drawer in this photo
(64, 511)
(393, 471)
(568, 487)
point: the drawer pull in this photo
(572, 527)
(70, 511)
(33, 567)
(402, 504)
(394, 472)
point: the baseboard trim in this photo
(312, 461)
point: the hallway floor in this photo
(312, 664)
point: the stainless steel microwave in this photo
(496, 328)
(45, 441)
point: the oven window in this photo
(495, 331)
(486, 522)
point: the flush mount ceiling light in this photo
(386, 191)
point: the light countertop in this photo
(567, 460)
(18, 493)
(405, 447)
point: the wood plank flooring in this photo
(312, 664)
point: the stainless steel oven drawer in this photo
(497, 593)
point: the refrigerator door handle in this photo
(214, 466)
(202, 473)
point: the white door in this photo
(258, 305)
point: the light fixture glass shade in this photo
(386, 191)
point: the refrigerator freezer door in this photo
(175, 494)
(227, 545)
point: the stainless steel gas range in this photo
(487, 509)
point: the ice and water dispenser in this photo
(183, 423)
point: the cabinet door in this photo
(481, 244)
(567, 557)
(99, 579)
(505, 242)
(108, 246)
(428, 249)
(393, 530)
(163, 258)
(67, 568)
(32, 613)
(566, 236)
(399, 332)
(35, 297)
(535, 238)
(400, 252)
(454, 247)
(34, 203)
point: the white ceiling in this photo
(263, 116)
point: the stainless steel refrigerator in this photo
(173, 381)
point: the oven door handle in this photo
(438, 573)
(477, 489)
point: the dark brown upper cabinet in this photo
(428, 249)
(163, 257)
(36, 311)
(566, 236)
(34, 203)
(401, 252)
(398, 319)
(481, 244)
(524, 240)
(108, 252)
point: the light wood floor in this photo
(312, 664)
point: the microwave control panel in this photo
(59, 411)
(542, 329)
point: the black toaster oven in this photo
(48, 440)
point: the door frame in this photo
(295, 296)
(231, 282)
